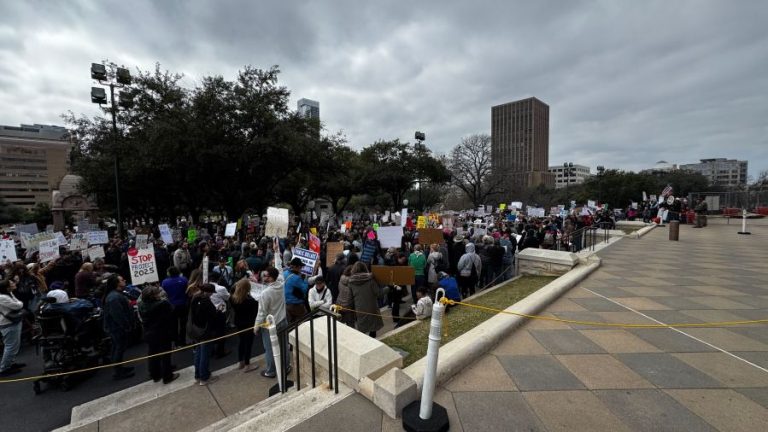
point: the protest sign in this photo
(142, 240)
(29, 228)
(7, 252)
(61, 239)
(308, 258)
(428, 236)
(536, 212)
(313, 231)
(331, 250)
(375, 227)
(142, 266)
(591, 204)
(516, 205)
(448, 222)
(176, 235)
(421, 222)
(165, 233)
(97, 237)
(31, 242)
(230, 230)
(314, 243)
(403, 217)
(79, 242)
(49, 250)
(343, 228)
(502, 206)
(191, 235)
(634, 205)
(96, 252)
(645, 196)
(394, 275)
(277, 222)
(390, 236)
(206, 267)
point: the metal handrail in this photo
(333, 354)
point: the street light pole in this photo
(600, 171)
(420, 137)
(117, 160)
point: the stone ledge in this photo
(545, 262)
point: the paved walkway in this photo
(556, 377)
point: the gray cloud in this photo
(628, 83)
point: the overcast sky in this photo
(628, 83)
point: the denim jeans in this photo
(119, 344)
(269, 358)
(12, 341)
(202, 361)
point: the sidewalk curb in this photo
(467, 348)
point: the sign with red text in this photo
(142, 266)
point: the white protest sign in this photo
(7, 251)
(142, 240)
(591, 204)
(49, 250)
(230, 230)
(308, 258)
(448, 222)
(79, 242)
(403, 217)
(165, 233)
(29, 228)
(390, 236)
(142, 266)
(634, 205)
(95, 252)
(206, 262)
(645, 196)
(98, 237)
(60, 237)
(516, 205)
(277, 222)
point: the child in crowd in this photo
(423, 307)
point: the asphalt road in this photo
(21, 410)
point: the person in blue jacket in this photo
(451, 287)
(296, 288)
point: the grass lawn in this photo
(461, 319)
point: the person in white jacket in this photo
(272, 303)
(10, 327)
(423, 308)
(320, 295)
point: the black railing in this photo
(584, 239)
(333, 353)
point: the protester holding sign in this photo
(296, 288)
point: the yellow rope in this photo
(447, 301)
(133, 360)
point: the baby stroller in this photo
(71, 338)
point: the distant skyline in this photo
(628, 83)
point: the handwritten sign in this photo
(403, 217)
(142, 266)
(428, 236)
(165, 233)
(230, 230)
(331, 250)
(308, 258)
(277, 222)
(390, 236)
(7, 251)
(96, 252)
(49, 250)
(98, 237)
(394, 275)
(79, 242)
(421, 222)
(142, 240)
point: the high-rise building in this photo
(309, 108)
(520, 145)
(578, 174)
(721, 171)
(33, 160)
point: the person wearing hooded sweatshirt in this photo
(272, 303)
(364, 295)
(159, 331)
(418, 261)
(469, 267)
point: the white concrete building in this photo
(578, 175)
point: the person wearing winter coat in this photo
(118, 322)
(423, 308)
(469, 268)
(10, 327)
(272, 303)
(364, 297)
(319, 295)
(158, 321)
(200, 327)
(245, 308)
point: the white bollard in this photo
(744, 222)
(435, 334)
(275, 342)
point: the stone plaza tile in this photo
(442, 397)
(718, 302)
(713, 315)
(709, 280)
(621, 319)
(645, 281)
(757, 332)
(644, 303)
(619, 341)
(520, 342)
(678, 303)
(495, 411)
(608, 291)
(602, 371)
(673, 317)
(759, 302)
(569, 411)
(355, 412)
(651, 410)
(486, 374)
(726, 410)
(643, 291)
(566, 342)
(727, 339)
(566, 305)
(666, 371)
(670, 341)
(757, 395)
(583, 319)
(758, 358)
(539, 373)
(546, 323)
(728, 370)
(597, 304)
(579, 292)
(715, 290)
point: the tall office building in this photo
(309, 108)
(33, 160)
(721, 171)
(520, 145)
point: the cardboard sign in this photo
(98, 237)
(331, 250)
(428, 236)
(390, 236)
(230, 230)
(79, 242)
(142, 266)
(308, 258)
(165, 233)
(394, 275)
(421, 222)
(96, 252)
(7, 252)
(49, 250)
(277, 222)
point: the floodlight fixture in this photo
(123, 76)
(98, 95)
(98, 71)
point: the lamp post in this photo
(420, 137)
(109, 74)
(600, 171)
(568, 172)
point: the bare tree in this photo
(471, 171)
